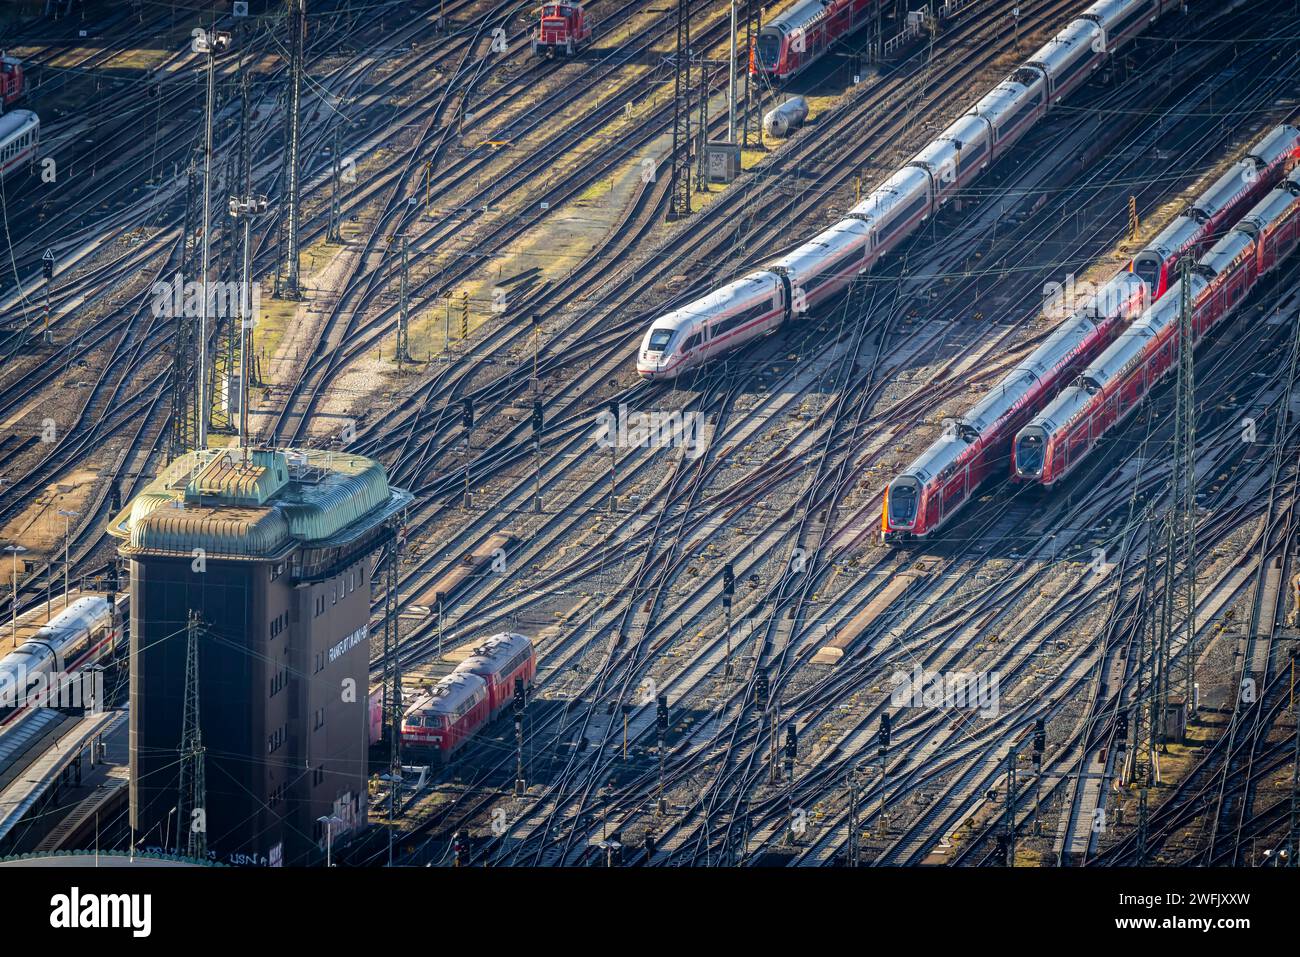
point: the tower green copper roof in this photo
(256, 503)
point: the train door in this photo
(954, 493)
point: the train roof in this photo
(805, 13)
(1065, 338)
(1001, 101)
(961, 132)
(1067, 404)
(827, 245)
(942, 452)
(999, 400)
(1109, 12)
(1274, 206)
(17, 122)
(1180, 233)
(84, 613)
(495, 652)
(1059, 52)
(1226, 188)
(449, 693)
(1223, 253)
(1279, 141)
(893, 192)
(756, 285)
(1133, 340)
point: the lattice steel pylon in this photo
(191, 805)
(402, 352)
(1145, 764)
(293, 125)
(184, 427)
(1180, 541)
(679, 190)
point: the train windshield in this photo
(1148, 270)
(902, 502)
(1029, 454)
(769, 50)
(659, 339)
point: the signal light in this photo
(1040, 736)
(537, 418)
(728, 580)
(520, 698)
(467, 412)
(761, 691)
(661, 713)
(885, 730)
(791, 742)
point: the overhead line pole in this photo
(297, 30)
(731, 79)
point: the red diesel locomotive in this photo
(447, 717)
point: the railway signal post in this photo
(520, 703)
(791, 751)
(613, 456)
(537, 454)
(1009, 819)
(728, 593)
(402, 352)
(438, 600)
(47, 266)
(886, 732)
(661, 729)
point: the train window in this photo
(835, 266)
(660, 339)
(1132, 18)
(1069, 72)
(691, 343)
(1019, 116)
(901, 216)
(1029, 455)
(972, 155)
(1148, 270)
(902, 504)
(740, 318)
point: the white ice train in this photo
(76, 637)
(757, 304)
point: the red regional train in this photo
(445, 719)
(799, 36)
(1051, 446)
(978, 445)
(1243, 184)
